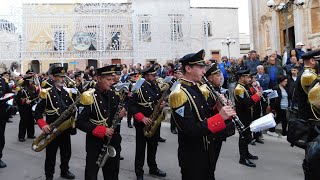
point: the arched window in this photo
(315, 16)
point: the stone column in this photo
(275, 32)
(299, 27)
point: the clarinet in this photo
(240, 127)
(108, 150)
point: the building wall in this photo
(224, 24)
(267, 27)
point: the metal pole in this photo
(229, 50)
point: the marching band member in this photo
(96, 119)
(4, 88)
(141, 104)
(304, 80)
(194, 119)
(214, 77)
(177, 75)
(54, 101)
(26, 99)
(245, 101)
(132, 81)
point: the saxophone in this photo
(107, 150)
(57, 127)
(157, 115)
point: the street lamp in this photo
(228, 42)
(283, 7)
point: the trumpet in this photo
(239, 125)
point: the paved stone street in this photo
(277, 160)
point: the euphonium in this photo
(157, 115)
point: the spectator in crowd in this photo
(279, 105)
(86, 73)
(240, 63)
(223, 64)
(292, 81)
(139, 66)
(148, 64)
(124, 66)
(262, 77)
(124, 75)
(299, 50)
(164, 70)
(252, 63)
(278, 60)
(170, 69)
(293, 53)
(274, 72)
(293, 63)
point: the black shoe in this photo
(139, 177)
(67, 175)
(247, 162)
(121, 158)
(22, 139)
(250, 156)
(258, 140)
(49, 178)
(31, 137)
(161, 139)
(2, 164)
(157, 172)
(130, 125)
(253, 143)
(174, 131)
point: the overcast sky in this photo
(241, 4)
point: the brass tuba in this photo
(57, 127)
(157, 115)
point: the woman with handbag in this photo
(280, 105)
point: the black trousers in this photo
(214, 152)
(26, 124)
(141, 142)
(63, 141)
(3, 121)
(194, 160)
(129, 117)
(243, 144)
(173, 125)
(111, 169)
(281, 117)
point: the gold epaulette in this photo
(239, 90)
(6, 80)
(205, 91)
(87, 97)
(20, 82)
(44, 93)
(18, 88)
(177, 97)
(307, 78)
(44, 83)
